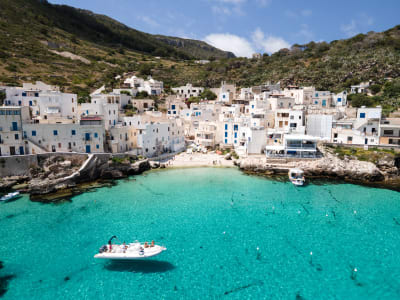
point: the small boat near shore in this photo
(9, 196)
(296, 176)
(131, 251)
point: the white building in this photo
(64, 137)
(11, 129)
(188, 91)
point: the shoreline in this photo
(103, 171)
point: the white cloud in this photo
(263, 2)
(306, 12)
(149, 21)
(361, 23)
(301, 13)
(349, 29)
(305, 32)
(269, 43)
(230, 42)
(231, 1)
(228, 7)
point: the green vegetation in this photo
(28, 45)
(193, 100)
(373, 154)
(208, 94)
(142, 95)
(388, 96)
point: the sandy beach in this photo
(198, 160)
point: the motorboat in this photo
(132, 251)
(296, 176)
(9, 196)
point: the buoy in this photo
(258, 248)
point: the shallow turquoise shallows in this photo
(228, 235)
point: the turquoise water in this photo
(212, 221)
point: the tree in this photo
(208, 94)
(2, 97)
(358, 100)
(142, 95)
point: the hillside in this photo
(77, 49)
(195, 48)
(80, 51)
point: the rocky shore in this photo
(57, 174)
(385, 173)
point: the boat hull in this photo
(135, 255)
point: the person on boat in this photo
(146, 245)
(124, 247)
(152, 243)
(109, 246)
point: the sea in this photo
(228, 235)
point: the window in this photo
(349, 138)
(55, 132)
(324, 102)
(316, 94)
(73, 132)
(388, 132)
(36, 94)
(226, 126)
(30, 103)
(96, 135)
(226, 141)
(235, 135)
(16, 136)
(362, 115)
(33, 132)
(173, 106)
(19, 102)
(339, 99)
(23, 94)
(235, 127)
(97, 146)
(59, 145)
(226, 134)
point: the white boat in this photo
(132, 251)
(296, 176)
(9, 196)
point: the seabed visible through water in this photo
(229, 235)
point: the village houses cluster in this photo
(278, 122)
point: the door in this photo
(14, 126)
(12, 150)
(87, 148)
(366, 142)
(21, 150)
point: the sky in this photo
(245, 27)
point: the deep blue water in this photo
(228, 235)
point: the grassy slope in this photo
(23, 57)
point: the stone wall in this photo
(19, 165)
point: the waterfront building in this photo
(294, 146)
(67, 137)
(389, 132)
(11, 129)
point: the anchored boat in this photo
(296, 176)
(131, 251)
(9, 196)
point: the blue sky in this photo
(248, 26)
